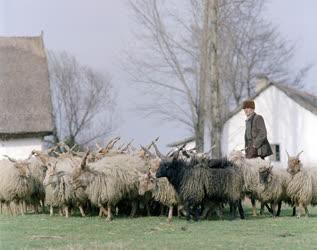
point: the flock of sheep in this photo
(121, 180)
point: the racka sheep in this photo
(110, 180)
(62, 193)
(161, 190)
(272, 188)
(15, 184)
(249, 171)
(196, 183)
(302, 188)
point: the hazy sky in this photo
(97, 32)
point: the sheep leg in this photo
(109, 214)
(16, 208)
(180, 210)
(42, 206)
(205, 212)
(241, 211)
(51, 210)
(82, 211)
(219, 211)
(253, 202)
(196, 213)
(278, 213)
(36, 208)
(9, 208)
(170, 214)
(186, 207)
(306, 211)
(268, 208)
(134, 208)
(21, 207)
(262, 208)
(148, 211)
(301, 210)
(61, 212)
(208, 206)
(273, 206)
(66, 211)
(294, 211)
(1, 207)
(162, 210)
(102, 210)
(24, 206)
(233, 209)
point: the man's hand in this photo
(251, 152)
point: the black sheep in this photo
(199, 181)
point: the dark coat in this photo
(256, 142)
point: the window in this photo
(276, 156)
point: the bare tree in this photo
(83, 100)
(169, 67)
(201, 59)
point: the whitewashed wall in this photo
(19, 148)
(288, 124)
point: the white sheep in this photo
(162, 191)
(273, 185)
(249, 169)
(302, 188)
(15, 184)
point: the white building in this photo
(25, 103)
(290, 116)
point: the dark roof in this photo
(25, 102)
(301, 97)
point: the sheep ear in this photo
(297, 156)
(84, 159)
(176, 154)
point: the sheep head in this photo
(236, 156)
(294, 164)
(50, 176)
(265, 174)
(81, 173)
(146, 182)
(43, 157)
(169, 168)
(23, 168)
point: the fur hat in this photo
(248, 104)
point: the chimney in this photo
(261, 82)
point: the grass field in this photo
(45, 232)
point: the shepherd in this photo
(256, 142)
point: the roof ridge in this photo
(302, 91)
(33, 44)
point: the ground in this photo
(45, 232)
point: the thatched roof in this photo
(25, 102)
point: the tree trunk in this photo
(216, 123)
(201, 112)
